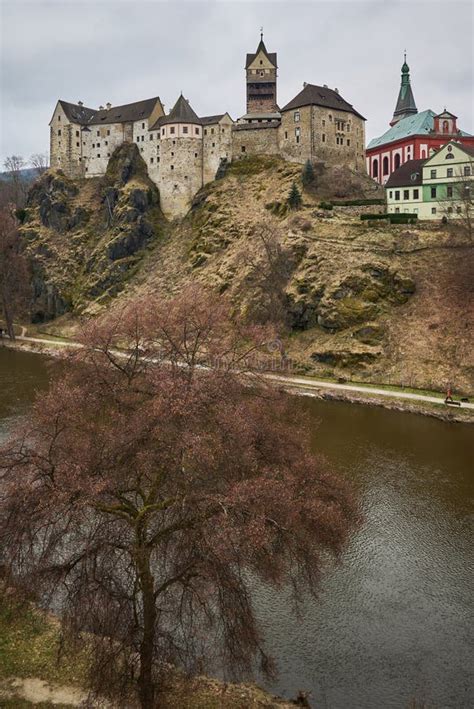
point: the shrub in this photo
(358, 202)
(369, 217)
(325, 205)
(294, 198)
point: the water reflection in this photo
(393, 621)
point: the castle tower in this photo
(181, 158)
(261, 69)
(406, 103)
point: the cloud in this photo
(126, 50)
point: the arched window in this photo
(445, 126)
(397, 161)
(375, 168)
(385, 166)
(423, 154)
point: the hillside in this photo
(390, 304)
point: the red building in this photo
(412, 135)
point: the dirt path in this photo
(303, 384)
(36, 691)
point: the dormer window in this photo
(297, 116)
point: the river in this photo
(393, 622)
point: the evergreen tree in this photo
(308, 173)
(294, 198)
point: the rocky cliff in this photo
(387, 304)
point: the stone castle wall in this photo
(254, 139)
(181, 170)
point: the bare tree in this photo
(14, 271)
(147, 493)
(40, 162)
(14, 165)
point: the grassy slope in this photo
(29, 643)
(421, 343)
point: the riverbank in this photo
(30, 675)
(396, 399)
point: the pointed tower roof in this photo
(406, 102)
(181, 113)
(271, 56)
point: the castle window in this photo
(162, 131)
(416, 194)
(59, 131)
(157, 159)
(151, 160)
(242, 148)
(205, 131)
(143, 138)
(297, 135)
(185, 129)
(138, 138)
(406, 194)
(106, 142)
(172, 155)
(397, 195)
(261, 62)
(141, 150)
(397, 210)
(151, 136)
(449, 191)
(385, 166)
(297, 116)
(397, 161)
(330, 118)
(195, 155)
(174, 142)
(223, 130)
(108, 132)
(323, 137)
(79, 159)
(212, 131)
(59, 118)
(286, 134)
(98, 155)
(348, 143)
(450, 210)
(458, 210)
(98, 132)
(323, 122)
(185, 177)
(449, 172)
(467, 170)
(77, 134)
(433, 210)
(196, 130)
(348, 127)
(78, 145)
(93, 145)
(433, 192)
(143, 125)
(433, 174)
(213, 145)
(390, 194)
(172, 167)
(172, 130)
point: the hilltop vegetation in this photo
(377, 303)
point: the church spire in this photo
(406, 103)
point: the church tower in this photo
(261, 69)
(406, 103)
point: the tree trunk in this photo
(146, 689)
(8, 318)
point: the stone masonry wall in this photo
(316, 133)
(180, 174)
(254, 140)
(217, 144)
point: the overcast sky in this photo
(125, 50)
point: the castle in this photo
(183, 151)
